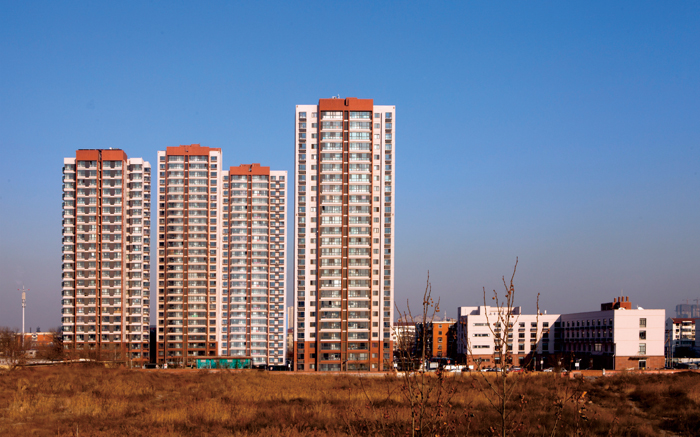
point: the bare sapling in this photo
(498, 386)
(427, 393)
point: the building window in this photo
(642, 348)
(642, 335)
(302, 116)
(643, 323)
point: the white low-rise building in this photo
(616, 337)
(480, 334)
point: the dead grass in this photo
(114, 402)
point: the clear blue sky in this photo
(564, 133)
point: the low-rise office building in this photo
(616, 337)
(483, 339)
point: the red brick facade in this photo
(625, 363)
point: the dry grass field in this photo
(95, 401)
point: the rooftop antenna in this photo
(24, 305)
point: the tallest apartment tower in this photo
(344, 232)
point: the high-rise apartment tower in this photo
(344, 233)
(106, 255)
(221, 251)
(189, 253)
(254, 256)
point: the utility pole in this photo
(24, 305)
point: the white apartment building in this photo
(480, 335)
(254, 253)
(106, 255)
(403, 336)
(221, 251)
(680, 332)
(344, 233)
